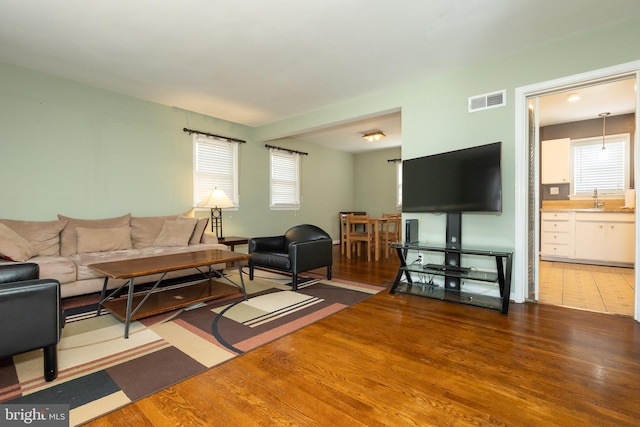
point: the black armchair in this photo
(31, 316)
(302, 248)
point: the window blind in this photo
(215, 165)
(285, 180)
(597, 168)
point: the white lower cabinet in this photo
(588, 237)
(605, 237)
(556, 236)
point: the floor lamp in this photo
(216, 199)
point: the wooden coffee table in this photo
(162, 300)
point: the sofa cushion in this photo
(14, 247)
(56, 267)
(82, 260)
(43, 235)
(103, 239)
(145, 229)
(198, 231)
(274, 259)
(175, 232)
(69, 236)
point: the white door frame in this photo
(521, 262)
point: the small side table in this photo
(232, 241)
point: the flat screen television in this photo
(467, 180)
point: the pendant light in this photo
(603, 151)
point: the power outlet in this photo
(419, 260)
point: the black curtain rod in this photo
(286, 149)
(226, 138)
(394, 160)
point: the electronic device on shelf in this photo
(445, 268)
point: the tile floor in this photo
(587, 287)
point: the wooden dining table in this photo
(375, 225)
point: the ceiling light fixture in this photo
(373, 136)
(573, 97)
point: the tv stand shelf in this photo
(501, 275)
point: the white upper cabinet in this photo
(556, 154)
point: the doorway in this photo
(526, 268)
(571, 132)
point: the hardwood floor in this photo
(398, 360)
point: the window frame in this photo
(205, 175)
(294, 201)
(625, 138)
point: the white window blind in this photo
(215, 164)
(285, 179)
(594, 168)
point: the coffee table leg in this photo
(244, 291)
(128, 314)
(103, 294)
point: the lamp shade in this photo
(215, 198)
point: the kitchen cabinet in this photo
(555, 166)
(607, 238)
(556, 236)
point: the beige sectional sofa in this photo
(65, 247)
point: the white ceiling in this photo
(349, 136)
(616, 98)
(255, 62)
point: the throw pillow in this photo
(43, 235)
(145, 229)
(69, 236)
(103, 239)
(198, 231)
(175, 232)
(14, 247)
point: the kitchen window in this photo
(605, 170)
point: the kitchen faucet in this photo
(595, 199)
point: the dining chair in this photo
(392, 230)
(343, 233)
(359, 231)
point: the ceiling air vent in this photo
(488, 100)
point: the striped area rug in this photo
(100, 371)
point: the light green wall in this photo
(327, 187)
(376, 181)
(435, 116)
(72, 149)
(80, 151)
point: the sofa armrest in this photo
(306, 256)
(267, 244)
(18, 272)
(209, 238)
(30, 315)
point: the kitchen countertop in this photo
(610, 205)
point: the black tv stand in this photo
(419, 279)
